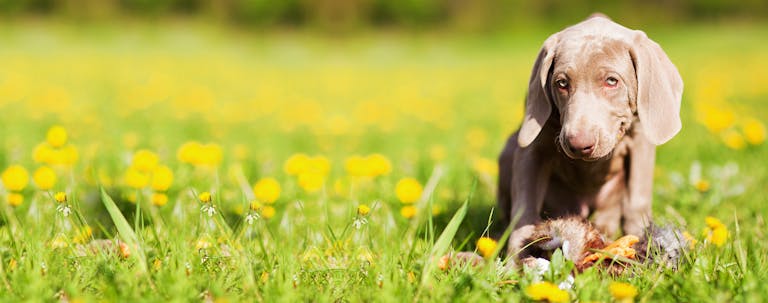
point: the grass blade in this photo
(443, 242)
(124, 230)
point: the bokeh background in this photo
(337, 102)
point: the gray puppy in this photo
(600, 98)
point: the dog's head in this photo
(598, 75)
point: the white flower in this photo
(208, 209)
(359, 222)
(250, 218)
(65, 210)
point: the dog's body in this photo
(600, 98)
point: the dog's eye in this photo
(562, 83)
(611, 81)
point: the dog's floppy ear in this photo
(659, 90)
(537, 103)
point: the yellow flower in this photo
(623, 292)
(754, 131)
(42, 153)
(205, 197)
(60, 197)
(379, 165)
(408, 211)
(408, 190)
(311, 182)
(159, 199)
(15, 178)
(255, 205)
(546, 291)
(162, 177)
(485, 166)
(363, 209)
(733, 139)
(145, 161)
(189, 152)
(211, 154)
(356, 166)
(486, 246)
(44, 177)
(295, 164)
(15, 199)
(268, 212)
(59, 242)
(716, 231)
(56, 136)
(267, 190)
(690, 239)
(136, 179)
(66, 155)
(702, 185)
(84, 235)
(716, 118)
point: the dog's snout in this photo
(581, 145)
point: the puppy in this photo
(600, 98)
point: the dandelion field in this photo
(268, 167)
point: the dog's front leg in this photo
(637, 207)
(530, 178)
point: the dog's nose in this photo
(581, 145)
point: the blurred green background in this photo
(345, 15)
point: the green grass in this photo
(264, 98)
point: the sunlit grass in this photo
(298, 168)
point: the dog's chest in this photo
(590, 177)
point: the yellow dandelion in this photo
(379, 165)
(159, 199)
(295, 164)
(15, 199)
(546, 291)
(44, 177)
(754, 131)
(136, 179)
(42, 153)
(733, 139)
(56, 136)
(189, 152)
(356, 166)
(408, 190)
(408, 211)
(15, 178)
(311, 182)
(211, 154)
(486, 246)
(255, 205)
(267, 190)
(716, 232)
(702, 185)
(690, 239)
(622, 292)
(60, 241)
(268, 212)
(84, 235)
(485, 166)
(66, 155)
(363, 209)
(145, 161)
(162, 178)
(205, 197)
(60, 197)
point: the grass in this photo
(438, 108)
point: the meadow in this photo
(299, 167)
